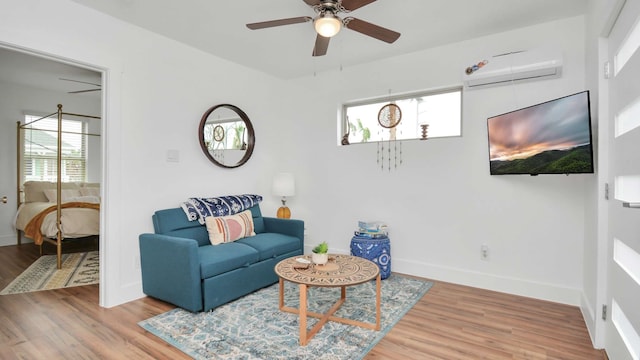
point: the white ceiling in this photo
(42, 73)
(218, 27)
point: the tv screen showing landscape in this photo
(549, 138)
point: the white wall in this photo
(156, 91)
(442, 204)
(15, 102)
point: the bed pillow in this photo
(86, 199)
(90, 191)
(52, 194)
(224, 229)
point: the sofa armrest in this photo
(171, 270)
(290, 227)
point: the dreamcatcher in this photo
(389, 117)
(215, 146)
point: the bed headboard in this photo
(36, 191)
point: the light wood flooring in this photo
(449, 322)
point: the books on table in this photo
(371, 229)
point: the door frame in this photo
(103, 133)
(606, 199)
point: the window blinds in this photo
(40, 147)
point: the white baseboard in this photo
(126, 293)
(505, 284)
(7, 240)
(589, 317)
(11, 239)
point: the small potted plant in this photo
(320, 256)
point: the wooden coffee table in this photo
(341, 271)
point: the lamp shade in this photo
(327, 25)
(284, 184)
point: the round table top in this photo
(341, 270)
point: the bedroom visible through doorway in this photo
(34, 84)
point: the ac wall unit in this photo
(518, 66)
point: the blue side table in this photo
(377, 250)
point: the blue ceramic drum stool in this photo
(377, 250)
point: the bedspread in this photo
(43, 224)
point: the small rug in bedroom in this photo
(253, 327)
(81, 268)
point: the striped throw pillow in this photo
(224, 229)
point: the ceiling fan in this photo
(327, 23)
(99, 86)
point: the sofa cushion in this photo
(258, 221)
(174, 222)
(219, 259)
(271, 245)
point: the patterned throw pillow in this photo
(229, 228)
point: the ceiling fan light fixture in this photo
(327, 24)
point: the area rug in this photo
(77, 269)
(253, 327)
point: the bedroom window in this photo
(439, 109)
(40, 147)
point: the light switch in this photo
(173, 156)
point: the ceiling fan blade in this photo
(322, 44)
(82, 91)
(272, 23)
(372, 30)
(78, 81)
(351, 5)
(313, 2)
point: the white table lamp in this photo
(284, 185)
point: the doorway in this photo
(33, 84)
(622, 329)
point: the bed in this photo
(54, 211)
(80, 215)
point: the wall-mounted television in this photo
(553, 137)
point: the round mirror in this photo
(226, 136)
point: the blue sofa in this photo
(180, 266)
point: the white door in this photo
(622, 339)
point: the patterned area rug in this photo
(77, 269)
(253, 327)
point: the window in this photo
(438, 112)
(628, 118)
(225, 135)
(40, 148)
(626, 330)
(627, 48)
(627, 258)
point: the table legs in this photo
(303, 313)
(378, 301)
(302, 317)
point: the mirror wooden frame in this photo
(250, 135)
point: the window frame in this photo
(343, 120)
(51, 175)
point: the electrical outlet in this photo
(484, 252)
